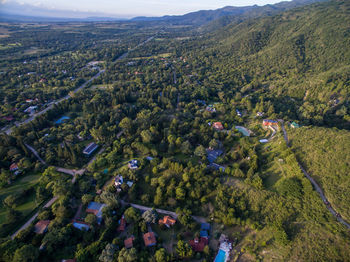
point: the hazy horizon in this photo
(122, 9)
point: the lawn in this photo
(167, 236)
(19, 185)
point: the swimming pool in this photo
(243, 130)
(62, 119)
(221, 256)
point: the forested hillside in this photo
(325, 153)
(108, 127)
(298, 59)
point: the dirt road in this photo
(27, 224)
(313, 182)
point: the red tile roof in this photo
(122, 224)
(41, 226)
(168, 221)
(218, 125)
(199, 244)
(149, 239)
(14, 167)
(8, 118)
(128, 243)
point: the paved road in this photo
(273, 133)
(126, 53)
(313, 182)
(35, 153)
(27, 224)
(8, 130)
(162, 211)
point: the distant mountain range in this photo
(12, 11)
(206, 16)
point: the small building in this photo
(149, 158)
(122, 224)
(118, 181)
(269, 122)
(260, 114)
(263, 140)
(8, 118)
(96, 209)
(210, 108)
(31, 109)
(199, 101)
(128, 243)
(14, 167)
(129, 183)
(149, 239)
(238, 113)
(204, 234)
(41, 226)
(218, 126)
(167, 221)
(205, 226)
(212, 154)
(81, 225)
(294, 125)
(133, 164)
(90, 148)
(198, 244)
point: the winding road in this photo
(313, 182)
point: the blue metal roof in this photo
(81, 226)
(205, 226)
(204, 233)
(95, 206)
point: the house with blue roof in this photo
(96, 209)
(90, 148)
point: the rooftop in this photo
(81, 225)
(213, 154)
(198, 244)
(149, 239)
(90, 148)
(168, 221)
(128, 243)
(41, 226)
(122, 224)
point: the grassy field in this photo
(19, 185)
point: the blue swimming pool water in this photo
(221, 256)
(61, 120)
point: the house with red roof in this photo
(122, 224)
(198, 244)
(128, 243)
(167, 221)
(218, 126)
(41, 226)
(149, 239)
(269, 122)
(13, 167)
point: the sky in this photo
(139, 7)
